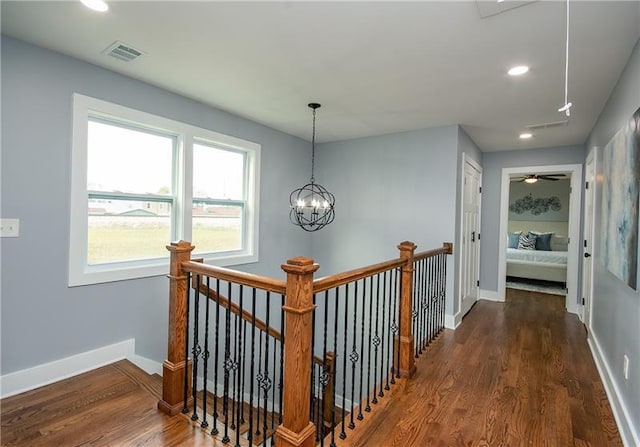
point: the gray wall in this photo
(44, 320)
(493, 163)
(388, 189)
(616, 307)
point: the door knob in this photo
(587, 255)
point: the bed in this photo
(539, 264)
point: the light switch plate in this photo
(9, 227)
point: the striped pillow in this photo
(527, 242)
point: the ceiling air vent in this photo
(547, 125)
(123, 52)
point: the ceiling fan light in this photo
(531, 179)
(526, 135)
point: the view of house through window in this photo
(129, 184)
(140, 181)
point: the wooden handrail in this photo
(245, 314)
(332, 281)
(446, 249)
(236, 277)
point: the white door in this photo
(470, 271)
(587, 260)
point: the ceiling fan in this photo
(533, 178)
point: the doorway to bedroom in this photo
(540, 217)
(538, 232)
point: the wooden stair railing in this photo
(401, 309)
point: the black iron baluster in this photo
(399, 324)
(239, 395)
(419, 302)
(368, 407)
(444, 289)
(266, 381)
(259, 380)
(185, 408)
(273, 388)
(234, 369)
(336, 298)
(252, 364)
(376, 341)
(383, 327)
(196, 348)
(205, 359)
(324, 378)
(436, 295)
(343, 434)
(415, 320)
(227, 365)
(214, 429)
(281, 355)
(364, 301)
(387, 326)
(312, 393)
(425, 305)
(353, 356)
(243, 369)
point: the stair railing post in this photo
(296, 429)
(406, 341)
(174, 367)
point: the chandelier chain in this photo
(313, 146)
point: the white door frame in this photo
(573, 259)
(466, 159)
(592, 158)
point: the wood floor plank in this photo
(518, 373)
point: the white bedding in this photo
(548, 258)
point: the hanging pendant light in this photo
(312, 206)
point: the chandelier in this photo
(312, 206)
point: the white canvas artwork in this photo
(621, 203)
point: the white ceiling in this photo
(376, 67)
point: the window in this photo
(140, 181)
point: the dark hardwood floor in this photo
(513, 374)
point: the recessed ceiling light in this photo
(500, 1)
(526, 135)
(518, 70)
(96, 5)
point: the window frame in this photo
(82, 273)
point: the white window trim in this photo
(80, 273)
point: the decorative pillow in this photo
(559, 243)
(543, 241)
(512, 239)
(527, 242)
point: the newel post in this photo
(406, 342)
(296, 429)
(174, 367)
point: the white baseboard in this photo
(37, 376)
(628, 433)
(452, 321)
(491, 295)
(147, 365)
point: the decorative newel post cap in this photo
(180, 246)
(300, 264)
(407, 245)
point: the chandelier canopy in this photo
(312, 205)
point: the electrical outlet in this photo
(625, 367)
(9, 227)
